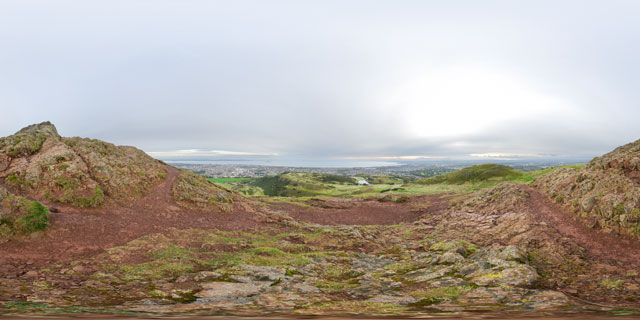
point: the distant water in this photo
(299, 163)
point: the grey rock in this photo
(304, 288)
(241, 279)
(206, 276)
(215, 291)
(427, 274)
(263, 273)
(547, 299)
(401, 300)
(450, 257)
(519, 276)
(3, 192)
(486, 296)
(448, 282)
(513, 253)
(474, 269)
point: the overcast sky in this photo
(327, 78)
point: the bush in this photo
(36, 219)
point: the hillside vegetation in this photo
(306, 185)
(479, 173)
(39, 163)
(20, 216)
(195, 192)
(606, 192)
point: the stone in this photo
(263, 273)
(206, 276)
(635, 163)
(486, 296)
(427, 274)
(520, 276)
(241, 279)
(79, 269)
(448, 282)
(303, 288)
(474, 269)
(215, 291)
(588, 203)
(547, 299)
(450, 257)
(401, 300)
(3, 192)
(513, 253)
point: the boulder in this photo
(216, 291)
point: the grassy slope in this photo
(479, 173)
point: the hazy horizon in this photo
(345, 80)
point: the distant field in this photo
(229, 183)
(303, 186)
(226, 180)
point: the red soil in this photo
(362, 212)
(75, 233)
(598, 245)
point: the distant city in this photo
(409, 169)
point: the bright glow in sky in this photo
(464, 100)
(327, 78)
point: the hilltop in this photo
(479, 173)
(83, 173)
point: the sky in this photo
(341, 79)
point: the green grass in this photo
(36, 219)
(485, 172)
(221, 251)
(477, 178)
(435, 295)
(297, 187)
(226, 180)
(29, 217)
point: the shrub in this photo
(36, 218)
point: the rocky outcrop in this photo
(606, 192)
(195, 192)
(39, 163)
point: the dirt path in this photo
(598, 245)
(75, 233)
(339, 211)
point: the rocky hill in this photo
(84, 173)
(606, 192)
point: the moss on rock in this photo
(20, 216)
(193, 191)
(80, 172)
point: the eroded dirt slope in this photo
(605, 193)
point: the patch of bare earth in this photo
(340, 211)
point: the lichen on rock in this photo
(606, 192)
(193, 191)
(83, 173)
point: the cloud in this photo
(206, 154)
(327, 78)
